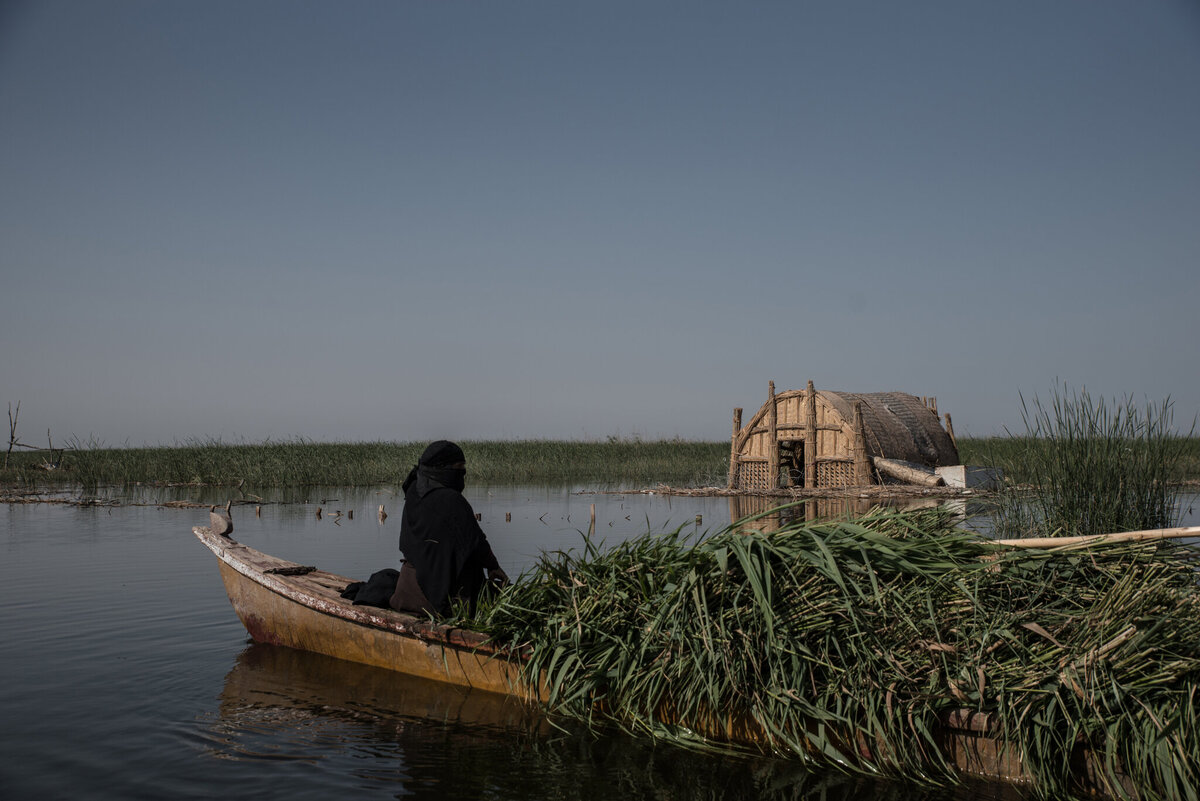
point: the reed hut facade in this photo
(817, 439)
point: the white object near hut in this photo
(971, 476)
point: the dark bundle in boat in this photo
(856, 643)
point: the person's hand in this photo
(498, 577)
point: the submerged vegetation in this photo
(833, 635)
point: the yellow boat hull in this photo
(306, 611)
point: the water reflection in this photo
(294, 686)
(769, 515)
(426, 740)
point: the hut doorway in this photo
(791, 463)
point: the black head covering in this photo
(434, 466)
(441, 454)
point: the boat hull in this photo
(307, 612)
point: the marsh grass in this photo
(304, 463)
(1090, 466)
(1007, 452)
(872, 631)
(297, 463)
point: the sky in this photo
(346, 221)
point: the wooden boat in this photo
(283, 603)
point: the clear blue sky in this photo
(407, 220)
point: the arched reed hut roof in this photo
(898, 426)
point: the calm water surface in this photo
(125, 674)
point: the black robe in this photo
(443, 542)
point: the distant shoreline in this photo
(629, 462)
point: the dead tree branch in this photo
(12, 430)
(13, 442)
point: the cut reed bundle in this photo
(849, 643)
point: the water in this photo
(124, 673)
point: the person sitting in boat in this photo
(446, 553)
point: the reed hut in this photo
(813, 439)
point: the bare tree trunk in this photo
(12, 430)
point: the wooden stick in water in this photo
(1103, 539)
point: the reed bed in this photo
(617, 462)
(1090, 465)
(1007, 452)
(303, 463)
(838, 634)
